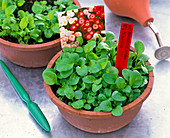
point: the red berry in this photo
(92, 32)
(102, 15)
(88, 36)
(80, 14)
(92, 16)
(97, 21)
(95, 26)
(98, 13)
(89, 29)
(73, 28)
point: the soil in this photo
(27, 7)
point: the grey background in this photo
(153, 120)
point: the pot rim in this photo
(101, 114)
(34, 47)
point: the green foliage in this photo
(87, 78)
(117, 111)
(80, 39)
(105, 106)
(29, 28)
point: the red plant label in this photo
(123, 49)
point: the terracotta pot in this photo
(31, 56)
(98, 122)
(138, 10)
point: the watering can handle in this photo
(136, 9)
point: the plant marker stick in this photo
(123, 49)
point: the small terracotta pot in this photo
(99, 122)
(31, 56)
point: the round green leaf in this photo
(112, 70)
(74, 57)
(95, 68)
(78, 94)
(107, 92)
(127, 89)
(135, 79)
(65, 74)
(117, 111)
(55, 28)
(80, 39)
(120, 83)
(117, 96)
(35, 33)
(126, 73)
(79, 49)
(69, 93)
(82, 71)
(48, 33)
(103, 45)
(139, 47)
(37, 8)
(97, 109)
(64, 65)
(49, 77)
(87, 106)
(89, 47)
(90, 99)
(92, 56)
(78, 104)
(101, 97)
(10, 10)
(98, 81)
(89, 79)
(110, 36)
(105, 106)
(66, 49)
(110, 78)
(74, 79)
(71, 7)
(96, 87)
(60, 91)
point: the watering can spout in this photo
(136, 9)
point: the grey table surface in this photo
(153, 120)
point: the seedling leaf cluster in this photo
(86, 77)
(31, 27)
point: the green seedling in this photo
(87, 79)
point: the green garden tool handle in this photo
(33, 107)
